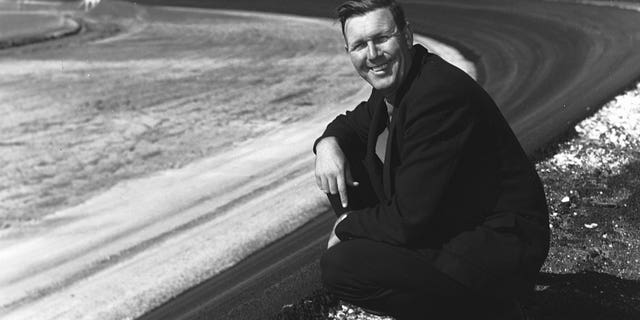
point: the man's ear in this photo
(408, 35)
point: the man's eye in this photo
(357, 46)
(381, 39)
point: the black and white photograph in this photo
(320, 160)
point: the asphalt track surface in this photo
(548, 65)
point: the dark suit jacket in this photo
(455, 179)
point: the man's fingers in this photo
(319, 182)
(324, 186)
(342, 189)
(333, 186)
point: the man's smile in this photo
(380, 68)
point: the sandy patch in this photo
(135, 166)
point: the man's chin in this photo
(382, 87)
(377, 83)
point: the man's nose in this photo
(372, 50)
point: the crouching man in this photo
(440, 213)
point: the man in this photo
(441, 214)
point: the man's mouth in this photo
(379, 68)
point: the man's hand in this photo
(333, 239)
(332, 169)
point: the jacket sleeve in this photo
(437, 125)
(350, 129)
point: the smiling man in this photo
(440, 212)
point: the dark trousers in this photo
(393, 280)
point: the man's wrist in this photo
(326, 142)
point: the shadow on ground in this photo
(585, 296)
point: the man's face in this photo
(379, 51)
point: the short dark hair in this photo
(352, 8)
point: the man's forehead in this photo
(372, 22)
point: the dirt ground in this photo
(592, 186)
